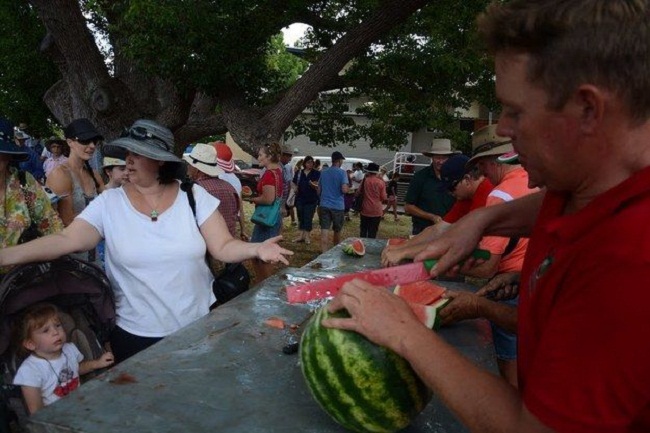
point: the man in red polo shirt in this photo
(469, 187)
(573, 81)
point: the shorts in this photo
(505, 343)
(262, 233)
(331, 218)
(392, 199)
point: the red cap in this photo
(224, 156)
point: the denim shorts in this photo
(331, 218)
(505, 343)
(262, 233)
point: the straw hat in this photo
(486, 142)
(204, 158)
(440, 146)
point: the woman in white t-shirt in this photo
(155, 244)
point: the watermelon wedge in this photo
(429, 314)
(420, 292)
(356, 248)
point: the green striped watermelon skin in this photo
(363, 386)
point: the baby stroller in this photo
(79, 289)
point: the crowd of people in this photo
(562, 229)
(156, 235)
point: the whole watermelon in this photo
(363, 386)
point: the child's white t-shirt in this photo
(157, 269)
(55, 378)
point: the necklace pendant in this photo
(154, 215)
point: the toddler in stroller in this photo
(53, 367)
(81, 293)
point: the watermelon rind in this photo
(362, 386)
(356, 248)
(438, 306)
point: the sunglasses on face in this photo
(141, 133)
(88, 142)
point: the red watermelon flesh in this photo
(358, 247)
(395, 241)
(429, 314)
(420, 292)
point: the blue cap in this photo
(337, 156)
(453, 169)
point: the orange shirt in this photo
(513, 185)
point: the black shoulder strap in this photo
(22, 178)
(186, 186)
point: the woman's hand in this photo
(270, 252)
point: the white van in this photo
(347, 162)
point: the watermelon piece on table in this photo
(361, 385)
(420, 292)
(356, 248)
(393, 242)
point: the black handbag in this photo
(231, 282)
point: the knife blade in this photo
(402, 274)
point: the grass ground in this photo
(304, 253)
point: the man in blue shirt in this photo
(33, 165)
(332, 187)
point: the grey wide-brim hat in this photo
(146, 138)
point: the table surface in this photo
(226, 372)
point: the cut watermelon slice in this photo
(442, 303)
(429, 315)
(420, 292)
(425, 313)
(356, 248)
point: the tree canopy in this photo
(204, 67)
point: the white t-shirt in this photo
(232, 179)
(56, 378)
(157, 269)
(357, 178)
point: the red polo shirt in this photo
(584, 313)
(463, 207)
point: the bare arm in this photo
(103, 361)
(483, 401)
(33, 398)
(78, 236)
(467, 305)
(60, 182)
(267, 197)
(222, 246)
(515, 218)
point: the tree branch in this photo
(389, 14)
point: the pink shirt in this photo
(51, 163)
(374, 194)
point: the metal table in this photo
(226, 372)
